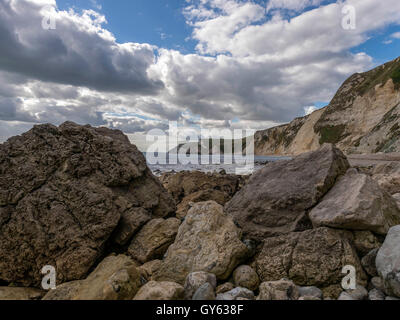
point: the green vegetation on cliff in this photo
(331, 134)
(380, 76)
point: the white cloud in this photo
(261, 71)
(96, 5)
(80, 51)
(396, 35)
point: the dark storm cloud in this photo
(78, 52)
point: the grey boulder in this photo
(236, 294)
(277, 197)
(205, 292)
(356, 202)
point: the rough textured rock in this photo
(366, 207)
(245, 276)
(160, 291)
(396, 197)
(310, 258)
(131, 222)
(332, 292)
(368, 263)
(376, 294)
(207, 240)
(187, 202)
(205, 292)
(225, 287)
(236, 294)
(388, 262)
(387, 175)
(195, 280)
(278, 290)
(277, 197)
(365, 241)
(63, 191)
(310, 292)
(15, 293)
(149, 268)
(377, 283)
(153, 239)
(185, 183)
(115, 278)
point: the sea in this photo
(206, 163)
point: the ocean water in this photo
(205, 163)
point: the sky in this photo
(136, 65)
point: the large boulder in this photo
(365, 241)
(207, 240)
(310, 258)
(115, 278)
(63, 191)
(387, 175)
(388, 262)
(185, 183)
(187, 202)
(276, 198)
(356, 202)
(153, 239)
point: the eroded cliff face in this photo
(363, 117)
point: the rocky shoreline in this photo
(83, 200)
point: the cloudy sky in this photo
(135, 65)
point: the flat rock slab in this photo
(356, 202)
(63, 191)
(185, 183)
(277, 197)
(207, 240)
(16, 294)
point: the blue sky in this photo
(205, 63)
(162, 23)
(158, 22)
(378, 49)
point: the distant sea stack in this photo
(363, 117)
